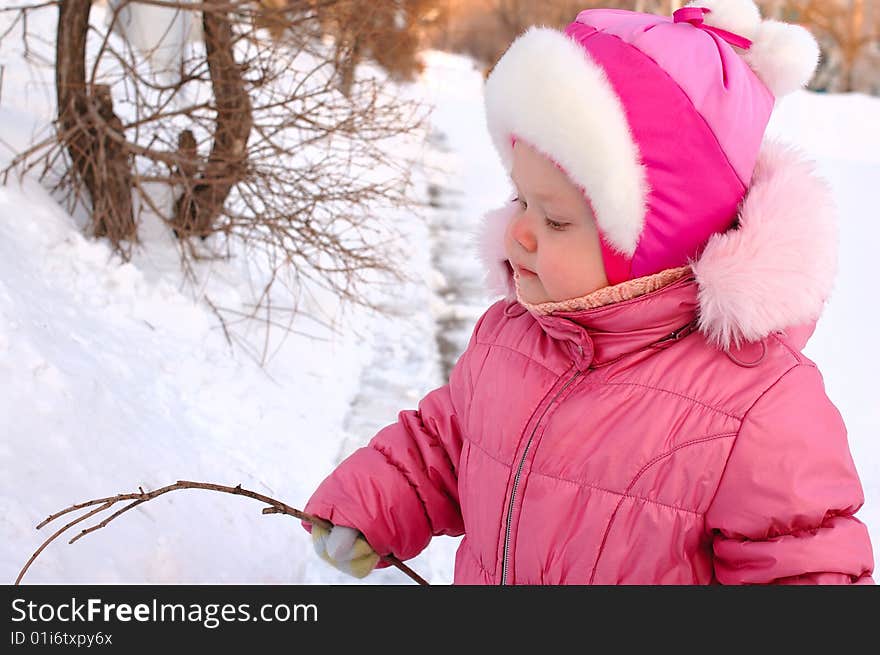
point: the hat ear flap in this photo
(783, 56)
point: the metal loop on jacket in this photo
(749, 364)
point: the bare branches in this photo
(101, 504)
(242, 125)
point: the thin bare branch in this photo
(298, 184)
(275, 507)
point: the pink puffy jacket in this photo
(678, 437)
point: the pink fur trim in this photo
(778, 268)
(489, 242)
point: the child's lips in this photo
(525, 271)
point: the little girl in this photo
(636, 409)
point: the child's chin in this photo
(529, 289)
(533, 298)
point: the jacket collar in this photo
(599, 336)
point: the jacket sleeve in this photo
(401, 489)
(783, 511)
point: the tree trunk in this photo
(201, 203)
(90, 130)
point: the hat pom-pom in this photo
(784, 56)
(741, 17)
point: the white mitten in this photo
(346, 549)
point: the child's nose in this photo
(522, 232)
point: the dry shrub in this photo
(266, 135)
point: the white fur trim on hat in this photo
(547, 91)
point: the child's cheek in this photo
(565, 275)
(553, 274)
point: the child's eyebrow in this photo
(540, 194)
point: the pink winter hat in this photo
(658, 119)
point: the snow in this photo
(158, 33)
(117, 375)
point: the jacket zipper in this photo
(522, 461)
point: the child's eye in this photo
(553, 225)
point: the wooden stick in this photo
(275, 507)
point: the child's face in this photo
(552, 241)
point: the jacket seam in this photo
(798, 533)
(475, 379)
(435, 438)
(797, 358)
(480, 447)
(604, 382)
(476, 558)
(519, 352)
(584, 483)
(739, 431)
(406, 477)
(495, 458)
(623, 494)
(669, 391)
(655, 460)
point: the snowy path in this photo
(414, 352)
(465, 180)
(404, 366)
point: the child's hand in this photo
(345, 548)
